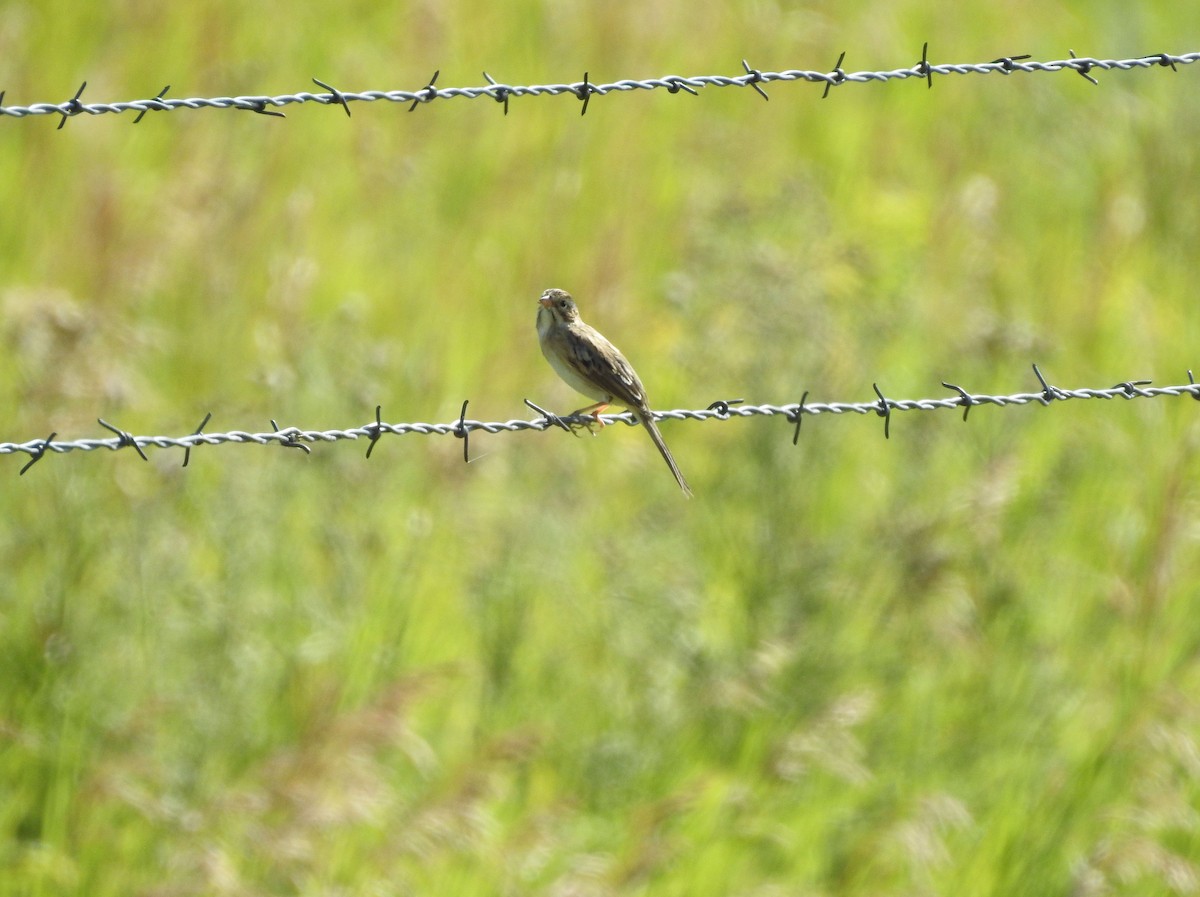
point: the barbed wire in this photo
(584, 90)
(721, 410)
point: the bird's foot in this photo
(592, 425)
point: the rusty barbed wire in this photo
(586, 89)
(720, 410)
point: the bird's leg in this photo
(594, 412)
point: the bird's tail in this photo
(652, 428)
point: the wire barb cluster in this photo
(463, 427)
(586, 89)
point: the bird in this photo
(590, 364)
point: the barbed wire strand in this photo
(584, 90)
(721, 410)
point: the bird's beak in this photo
(545, 302)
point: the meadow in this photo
(964, 660)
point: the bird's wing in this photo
(612, 373)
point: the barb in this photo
(585, 93)
(799, 416)
(720, 410)
(290, 437)
(923, 66)
(966, 401)
(837, 76)
(37, 453)
(427, 95)
(501, 91)
(336, 94)
(187, 452)
(884, 410)
(162, 93)
(463, 433)
(123, 438)
(375, 431)
(756, 78)
(72, 107)
(585, 90)
(1085, 66)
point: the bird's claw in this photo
(590, 424)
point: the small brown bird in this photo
(590, 364)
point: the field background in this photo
(964, 661)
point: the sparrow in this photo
(590, 364)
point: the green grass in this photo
(962, 661)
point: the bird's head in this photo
(559, 304)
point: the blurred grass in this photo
(961, 661)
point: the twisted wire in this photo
(584, 90)
(724, 410)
